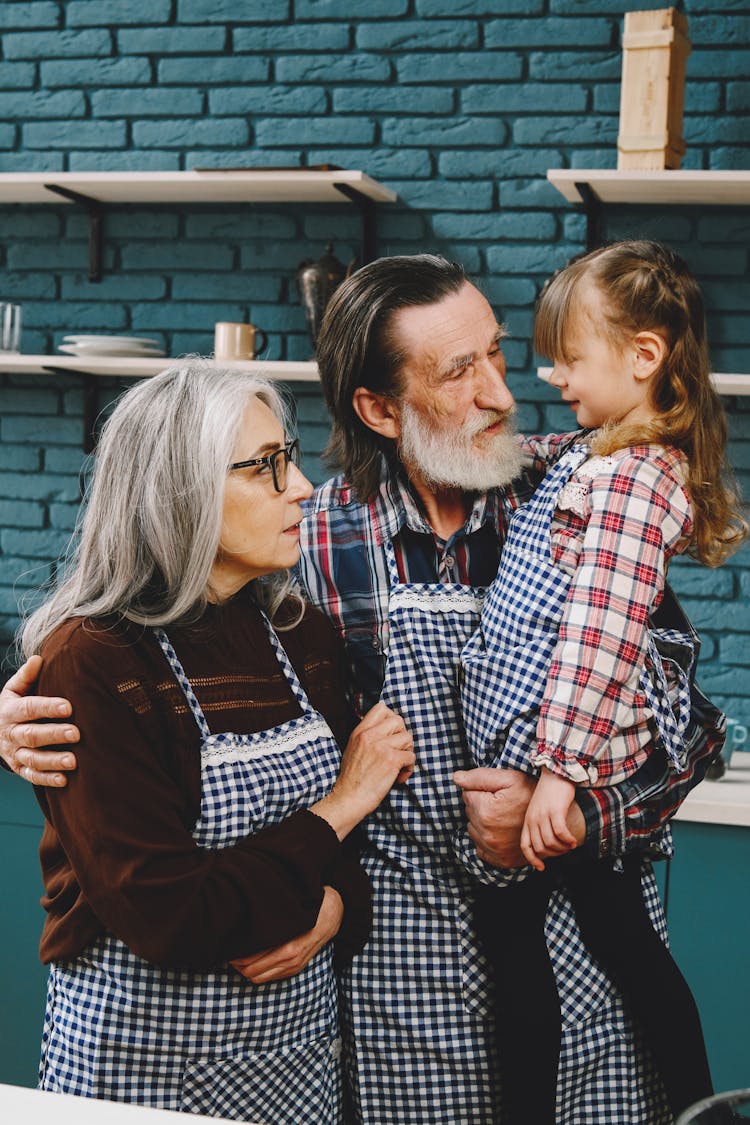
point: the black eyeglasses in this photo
(277, 462)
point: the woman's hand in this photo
(20, 733)
(289, 959)
(378, 754)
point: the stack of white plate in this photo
(92, 346)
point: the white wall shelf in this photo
(221, 185)
(140, 368)
(95, 191)
(683, 188)
(725, 384)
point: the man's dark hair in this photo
(356, 348)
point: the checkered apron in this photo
(505, 665)
(211, 1042)
(417, 1004)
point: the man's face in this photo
(454, 412)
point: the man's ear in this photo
(650, 353)
(377, 411)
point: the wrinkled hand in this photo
(378, 754)
(20, 734)
(290, 958)
(496, 801)
(545, 831)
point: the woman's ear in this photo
(650, 353)
(378, 412)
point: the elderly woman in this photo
(193, 866)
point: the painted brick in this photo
(20, 458)
(16, 75)
(36, 430)
(721, 31)
(426, 69)
(505, 292)
(295, 38)
(92, 161)
(35, 400)
(422, 35)
(16, 571)
(720, 64)
(517, 33)
(391, 99)
(171, 40)
(237, 226)
(63, 516)
(39, 104)
(342, 9)
(507, 162)
(526, 97)
(439, 131)
(575, 130)
(542, 260)
(183, 131)
(7, 136)
(382, 163)
(18, 513)
(64, 459)
(536, 192)
(145, 255)
(94, 72)
(189, 314)
(268, 100)
(233, 287)
(85, 134)
(212, 71)
(84, 315)
(434, 195)
(738, 97)
(575, 66)
(314, 130)
(44, 544)
(221, 11)
(82, 13)
(57, 44)
(352, 67)
(506, 226)
(432, 8)
(29, 15)
(176, 102)
(725, 158)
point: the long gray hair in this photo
(149, 530)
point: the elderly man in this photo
(397, 551)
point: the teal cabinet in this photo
(708, 912)
(23, 978)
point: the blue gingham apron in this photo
(417, 1004)
(211, 1042)
(505, 665)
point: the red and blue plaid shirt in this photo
(344, 571)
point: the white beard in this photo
(450, 458)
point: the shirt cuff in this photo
(604, 815)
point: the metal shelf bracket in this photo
(96, 221)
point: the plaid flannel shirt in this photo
(343, 569)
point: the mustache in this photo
(488, 418)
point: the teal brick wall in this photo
(458, 105)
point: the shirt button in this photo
(449, 560)
(376, 643)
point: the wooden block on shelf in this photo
(655, 48)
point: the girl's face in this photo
(260, 526)
(602, 382)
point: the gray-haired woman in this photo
(193, 866)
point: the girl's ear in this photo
(650, 353)
(378, 412)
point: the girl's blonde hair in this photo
(149, 530)
(647, 287)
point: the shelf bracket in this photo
(367, 211)
(90, 402)
(96, 221)
(593, 209)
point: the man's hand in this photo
(545, 830)
(496, 801)
(20, 734)
(289, 959)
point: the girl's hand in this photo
(290, 958)
(545, 831)
(378, 754)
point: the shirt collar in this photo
(395, 506)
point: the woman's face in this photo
(260, 526)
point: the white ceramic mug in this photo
(238, 341)
(10, 327)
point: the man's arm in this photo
(21, 730)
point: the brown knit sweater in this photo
(117, 852)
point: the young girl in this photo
(565, 678)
